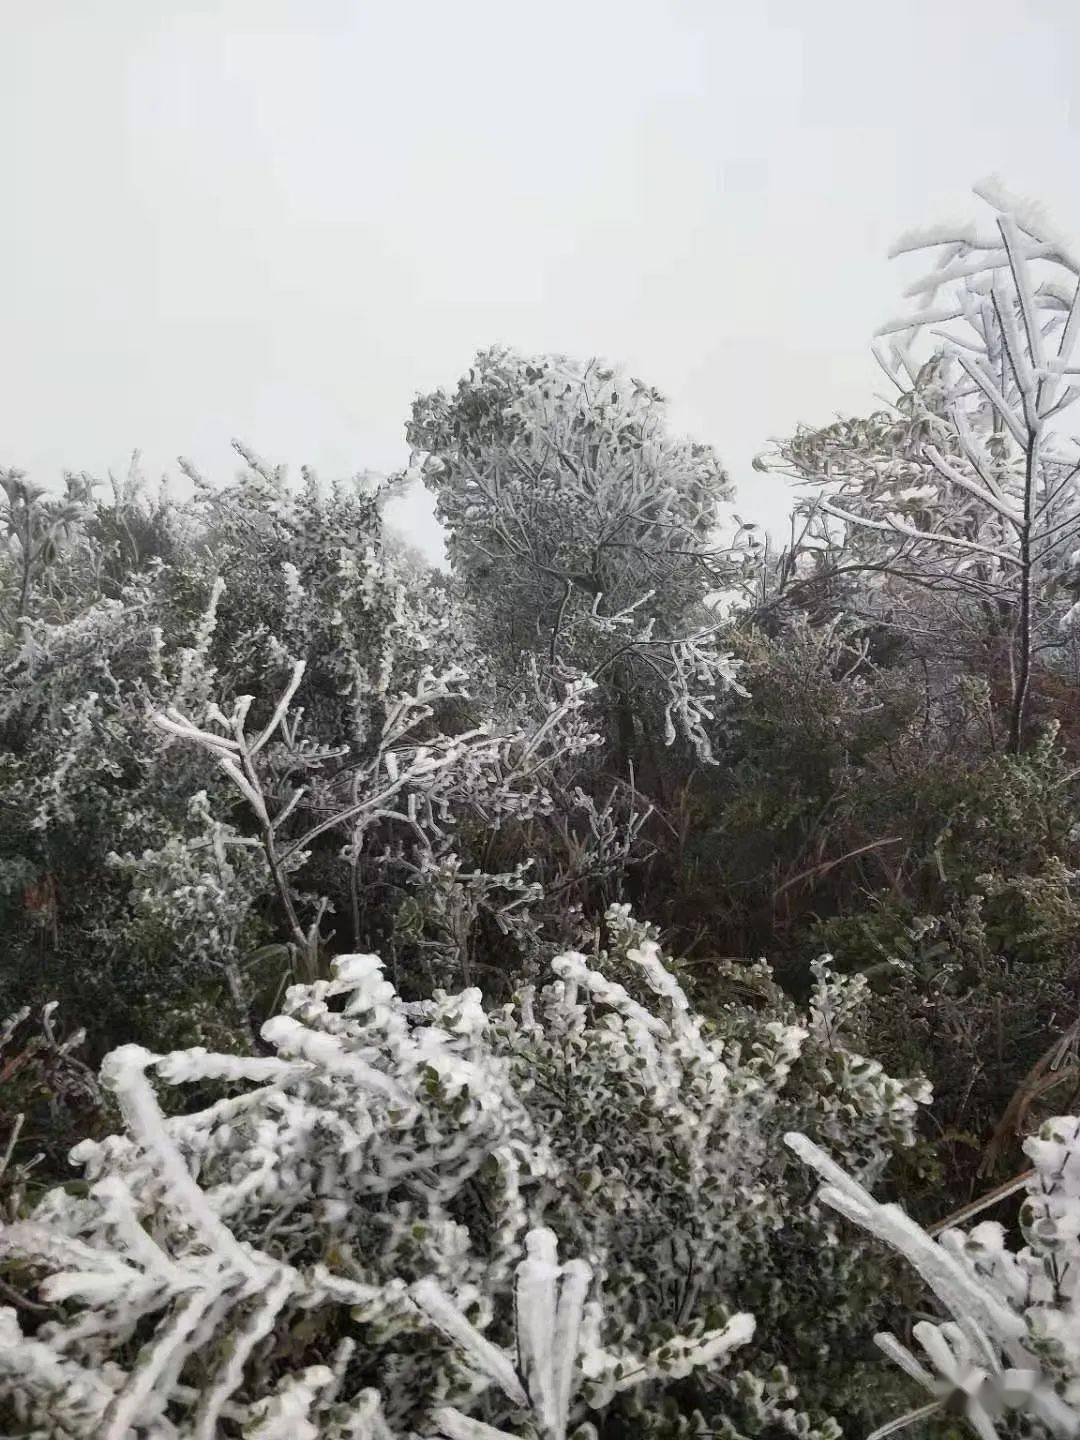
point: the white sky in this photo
(280, 219)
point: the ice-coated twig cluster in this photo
(318, 1193)
(1012, 1339)
(359, 1233)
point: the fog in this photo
(282, 220)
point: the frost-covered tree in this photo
(968, 486)
(421, 1217)
(585, 533)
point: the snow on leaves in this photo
(1012, 1343)
(388, 1193)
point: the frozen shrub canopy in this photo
(391, 1190)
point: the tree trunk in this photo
(1022, 682)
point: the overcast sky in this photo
(280, 219)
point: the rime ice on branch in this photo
(1012, 1342)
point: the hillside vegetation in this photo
(436, 998)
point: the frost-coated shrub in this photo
(1011, 1347)
(47, 1092)
(136, 673)
(424, 1217)
(98, 804)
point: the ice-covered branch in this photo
(992, 1355)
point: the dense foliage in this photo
(405, 1153)
(670, 847)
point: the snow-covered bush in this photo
(1011, 1344)
(47, 1092)
(103, 807)
(199, 845)
(361, 1234)
(35, 527)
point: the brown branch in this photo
(966, 1212)
(817, 870)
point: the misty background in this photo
(281, 219)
